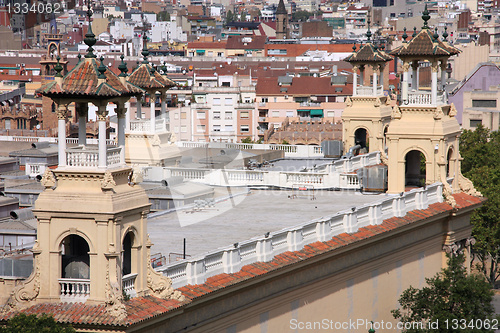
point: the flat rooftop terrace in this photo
(245, 215)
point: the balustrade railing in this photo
(419, 97)
(74, 290)
(230, 259)
(368, 91)
(128, 284)
(88, 156)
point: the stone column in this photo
(101, 140)
(354, 80)
(152, 96)
(61, 134)
(120, 114)
(434, 79)
(82, 109)
(375, 69)
(404, 92)
(381, 79)
(443, 66)
(414, 68)
(138, 113)
(127, 116)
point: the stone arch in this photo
(75, 257)
(66, 233)
(129, 244)
(415, 170)
(361, 136)
(384, 132)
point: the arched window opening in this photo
(75, 258)
(127, 254)
(415, 168)
(449, 166)
(361, 137)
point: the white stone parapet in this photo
(338, 174)
(368, 91)
(74, 290)
(422, 97)
(109, 142)
(264, 248)
(128, 284)
(87, 157)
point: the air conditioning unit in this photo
(286, 96)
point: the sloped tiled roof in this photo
(144, 308)
(281, 8)
(303, 85)
(82, 80)
(423, 44)
(368, 53)
(142, 77)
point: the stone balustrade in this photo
(128, 284)
(88, 157)
(74, 290)
(368, 91)
(334, 175)
(264, 248)
(89, 141)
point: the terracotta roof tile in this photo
(423, 44)
(368, 53)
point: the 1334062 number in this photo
(473, 324)
(36, 8)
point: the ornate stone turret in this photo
(281, 21)
(423, 133)
(92, 243)
(150, 142)
(368, 112)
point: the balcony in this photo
(245, 106)
(262, 104)
(419, 97)
(222, 133)
(128, 285)
(74, 290)
(368, 91)
(263, 120)
(144, 125)
(316, 104)
(88, 157)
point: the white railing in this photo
(310, 104)
(160, 125)
(88, 156)
(50, 139)
(128, 284)
(232, 258)
(74, 290)
(140, 126)
(336, 175)
(368, 91)
(35, 169)
(419, 98)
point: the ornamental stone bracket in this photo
(114, 298)
(158, 284)
(48, 179)
(28, 291)
(107, 182)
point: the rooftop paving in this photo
(245, 215)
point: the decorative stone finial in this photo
(89, 36)
(404, 35)
(123, 67)
(58, 68)
(354, 47)
(414, 32)
(435, 36)
(445, 34)
(368, 33)
(426, 17)
(101, 69)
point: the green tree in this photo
(22, 323)
(247, 140)
(163, 16)
(243, 16)
(480, 150)
(449, 297)
(229, 17)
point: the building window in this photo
(216, 101)
(289, 113)
(220, 54)
(216, 114)
(183, 115)
(226, 84)
(183, 129)
(228, 128)
(216, 128)
(228, 115)
(264, 100)
(200, 115)
(475, 123)
(484, 103)
(244, 128)
(330, 114)
(228, 101)
(244, 114)
(200, 128)
(7, 123)
(176, 116)
(176, 129)
(275, 99)
(276, 114)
